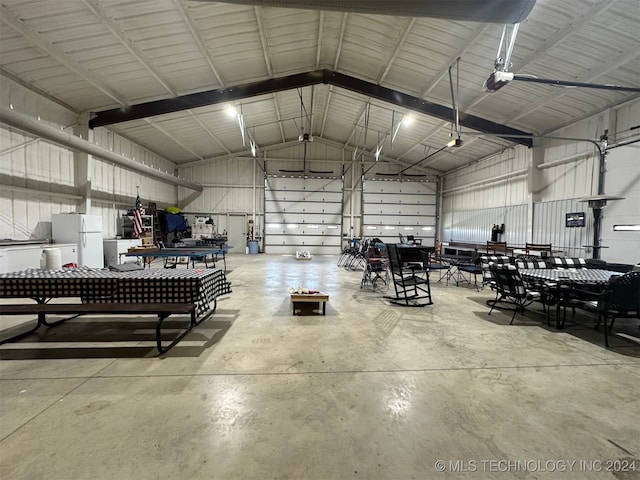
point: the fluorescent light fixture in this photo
(408, 120)
(408, 228)
(313, 226)
(626, 228)
(293, 225)
(371, 227)
(332, 227)
(426, 228)
(389, 228)
(232, 111)
(273, 225)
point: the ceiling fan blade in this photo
(565, 83)
(486, 11)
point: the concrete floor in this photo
(371, 391)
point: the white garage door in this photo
(391, 208)
(303, 214)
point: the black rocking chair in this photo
(411, 288)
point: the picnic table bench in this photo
(162, 310)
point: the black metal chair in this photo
(412, 289)
(565, 262)
(466, 270)
(376, 272)
(432, 263)
(486, 261)
(511, 289)
(549, 292)
(620, 299)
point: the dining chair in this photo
(376, 272)
(565, 262)
(496, 248)
(511, 290)
(543, 248)
(487, 261)
(620, 299)
(465, 271)
(432, 263)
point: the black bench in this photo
(162, 310)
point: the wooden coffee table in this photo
(299, 298)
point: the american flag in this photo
(137, 217)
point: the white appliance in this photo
(114, 247)
(85, 231)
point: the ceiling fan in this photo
(501, 74)
(486, 11)
(305, 138)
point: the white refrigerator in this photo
(84, 230)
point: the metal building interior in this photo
(302, 125)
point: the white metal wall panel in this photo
(549, 220)
(234, 185)
(623, 179)
(475, 225)
(117, 181)
(303, 214)
(34, 167)
(469, 213)
(515, 224)
(390, 208)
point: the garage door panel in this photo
(306, 240)
(309, 218)
(408, 220)
(392, 207)
(401, 210)
(387, 187)
(315, 251)
(303, 214)
(285, 184)
(304, 196)
(303, 207)
(400, 199)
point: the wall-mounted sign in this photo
(576, 219)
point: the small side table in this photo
(299, 298)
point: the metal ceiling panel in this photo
(94, 56)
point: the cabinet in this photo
(114, 247)
(127, 226)
(16, 258)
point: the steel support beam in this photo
(423, 106)
(209, 97)
(299, 80)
